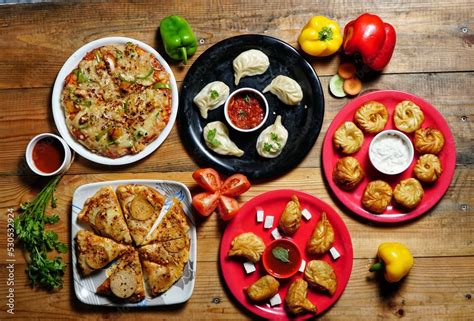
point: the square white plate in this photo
(85, 287)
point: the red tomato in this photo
(205, 203)
(235, 185)
(208, 179)
(228, 207)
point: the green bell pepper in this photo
(178, 38)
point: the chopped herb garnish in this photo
(211, 137)
(247, 99)
(274, 136)
(281, 254)
(242, 113)
(214, 94)
(267, 147)
(81, 78)
(118, 54)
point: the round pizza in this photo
(117, 100)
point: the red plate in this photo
(273, 203)
(433, 192)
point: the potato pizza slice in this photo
(141, 207)
(94, 252)
(125, 281)
(173, 225)
(102, 212)
(161, 277)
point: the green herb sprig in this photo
(211, 137)
(30, 231)
(281, 254)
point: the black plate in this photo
(303, 121)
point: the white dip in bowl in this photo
(391, 152)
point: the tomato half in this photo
(235, 185)
(206, 203)
(208, 179)
(228, 207)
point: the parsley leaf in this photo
(211, 137)
(274, 136)
(267, 147)
(247, 99)
(214, 94)
(281, 254)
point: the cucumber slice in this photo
(336, 86)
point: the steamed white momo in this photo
(211, 96)
(286, 89)
(216, 136)
(272, 140)
(250, 63)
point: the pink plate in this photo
(273, 203)
(433, 192)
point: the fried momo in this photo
(371, 117)
(263, 289)
(322, 238)
(377, 195)
(408, 117)
(296, 298)
(348, 138)
(408, 193)
(320, 275)
(428, 168)
(290, 220)
(347, 173)
(428, 141)
(247, 245)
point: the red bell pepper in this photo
(372, 38)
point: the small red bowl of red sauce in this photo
(246, 109)
(48, 154)
(282, 258)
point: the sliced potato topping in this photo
(141, 209)
(97, 257)
(123, 284)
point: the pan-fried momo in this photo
(408, 117)
(371, 117)
(250, 63)
(377, 195)
(272, 139)
(290, 220)
(247, 245)
(428, 168)
(320, 275)
(408, 193)
(216, 136)
(286, 89)
(428, 141)
(348, 173)
(322, 238)
(348, 138)
(296, 298)
(263, 289)
(211, 96)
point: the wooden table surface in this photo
(434, 58)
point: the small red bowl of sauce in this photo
(246, 109)
(282, 258)
(48, 154)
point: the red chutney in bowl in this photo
(280, 268)
(246, 110)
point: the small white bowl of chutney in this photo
(391, 152)
(48, 154)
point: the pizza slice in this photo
(141, 207)
(173, 225)
(103, 213)
(161, 277)
(125, 281)
(94, 252)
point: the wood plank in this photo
(436, 289)
(25, 115)
(30, 57)
(452, 220)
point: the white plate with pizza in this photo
(115, 100)
(133, 243)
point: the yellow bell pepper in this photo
(320, 37)
(396, 259)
